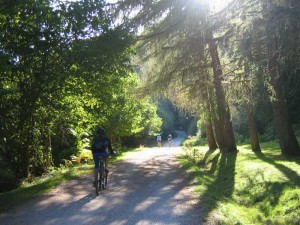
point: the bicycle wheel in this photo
(102, 176)
(105, 178)
(97, 185)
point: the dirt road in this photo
(147, 187)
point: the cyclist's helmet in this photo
(100, 131)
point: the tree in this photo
(35, 61)
(287, 139)
(267, 40)
(259, 32)
(61, 64)
(176, 36)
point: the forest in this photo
(141, 67)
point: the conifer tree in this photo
(178, 36)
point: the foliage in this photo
(167, 113)
(191, 122)
(64, 70)
(174, 119)
(192, 141)
(8, 180)
(182, 52)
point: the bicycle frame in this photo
(101, 179)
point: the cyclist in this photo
(100, 146)
(170, 140)
(158, 138)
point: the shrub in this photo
(8, 181)
(193, 141)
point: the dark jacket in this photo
(101, 144)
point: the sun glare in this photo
(217, 5)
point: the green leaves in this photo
(62, 66)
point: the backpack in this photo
(99, 144)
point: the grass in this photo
(246, 188)
(43, 184)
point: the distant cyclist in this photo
(170, 140)
(158, 139)
(100, 147)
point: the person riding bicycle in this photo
(100, 146)
(158, 138)
(170, 140)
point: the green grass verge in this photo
(43, 184)
(246, 188)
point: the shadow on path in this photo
(149, 187)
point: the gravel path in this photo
(147, 187)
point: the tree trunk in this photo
(228, 132)
(212, 145)
(211, 141)
(48, 149)
(287, 139)
(251, 119)
(226, 141)
(253, 129)
(214, 120)
(23, 159)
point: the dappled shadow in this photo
(151, 191)
(222, 187)
(209, 160)
(257, 190)
(293, 177)
(44, 183)
(154, 193)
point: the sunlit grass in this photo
(246, 188)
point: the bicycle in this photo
(170, 142)
(101, 179)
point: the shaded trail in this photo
(147, 187)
